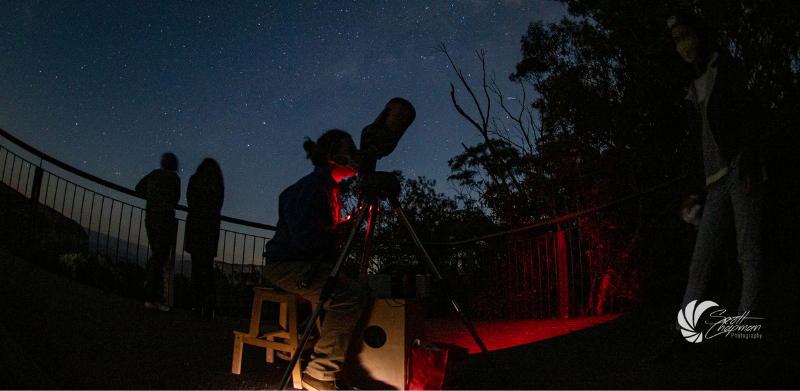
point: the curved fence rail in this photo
(530, 275)
(527, 275)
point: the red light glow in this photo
(501, 334)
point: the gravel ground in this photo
(56, 334)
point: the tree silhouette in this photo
(608, 90)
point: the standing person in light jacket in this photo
(162, 190)
(204, 197)
(732, 172)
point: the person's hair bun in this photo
(328, 144)
(309, 146)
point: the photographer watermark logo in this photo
(689, 317)
(719, 324)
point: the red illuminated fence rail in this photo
(570, 266)
(536, 276)
(531, 275)
(73, 211)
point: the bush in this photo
(97, 270)
(91, 268)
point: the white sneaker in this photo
(156, 306)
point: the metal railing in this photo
(519, 276)
(531, 275)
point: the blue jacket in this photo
(308, 212)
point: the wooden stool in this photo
(287, 319)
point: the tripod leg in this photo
(374, 218)
(396, 206)
(324, 295)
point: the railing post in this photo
(563, 284)
(32, 235)
(169, 267)
(37, 186)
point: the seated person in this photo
(300, 256)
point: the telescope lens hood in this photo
(380, 138)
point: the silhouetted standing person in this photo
(732, 169)
(204, 197)
(162, 190)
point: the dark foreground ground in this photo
(56, 334)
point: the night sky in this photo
(108, 86)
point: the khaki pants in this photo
(342, 311)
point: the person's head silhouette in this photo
(169, 162)
(334, 151)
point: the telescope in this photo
(380, 138)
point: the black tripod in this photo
(377, 186)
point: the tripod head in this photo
(380, 184)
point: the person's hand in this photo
(747, 183)
(690, 201)
(690, 209)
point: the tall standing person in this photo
(204, 197)
(725, 118)
(162, 190)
